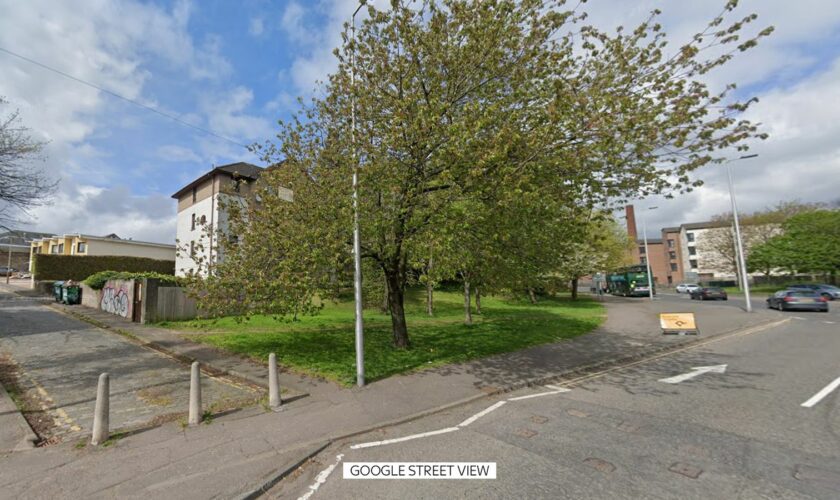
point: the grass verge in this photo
(323, 345)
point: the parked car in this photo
(830, 292)
(6, 271)
(803, 300)
(709, 293)
(687, 287)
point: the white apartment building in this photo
(200, 215)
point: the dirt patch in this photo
(31, 404)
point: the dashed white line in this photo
(481, 414)
(557, 388)
(828, 322)
(321, 478)
(406, 438)
(816, 398)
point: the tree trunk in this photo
(477, 300)
(574, 288)
(386, 306)
(430, 308)
(467, 311)
(532, 296)
(396, 299)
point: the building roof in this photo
(670, 229)
(109, 238)
(241, 169)
(650, 241)
(705, 225)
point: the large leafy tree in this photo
(513, 111)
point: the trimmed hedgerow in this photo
(78, 267)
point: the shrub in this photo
(78, 267)
(97, 281)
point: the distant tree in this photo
(756, 228)
(809, 244)
(22, 185)
(603, 246)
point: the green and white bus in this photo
(629, 281)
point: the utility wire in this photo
(118, 96)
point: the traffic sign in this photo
(678, 323)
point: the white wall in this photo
(129, 249)
(185, 234)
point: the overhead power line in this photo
(127, 99)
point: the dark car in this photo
(830, 292)
(800, 300)
(7, 271)
(709, 293)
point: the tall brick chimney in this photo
(630, 213)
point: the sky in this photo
(235, 68)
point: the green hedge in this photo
(78, 267)
(97, 281)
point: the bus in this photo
(629, 281)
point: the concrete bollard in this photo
(195, 394)
(274, 401)
(102, 412)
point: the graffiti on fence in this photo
(116, 300)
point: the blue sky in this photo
(236, 67)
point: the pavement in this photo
(647, 430)
(249, 450)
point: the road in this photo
(643, 431)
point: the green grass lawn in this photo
(323, 345)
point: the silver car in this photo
(687, 287)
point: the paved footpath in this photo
(249, 449)
(57, 361)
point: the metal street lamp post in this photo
(739, 246)
(357, 245)
(647, 256)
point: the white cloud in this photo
(255, 26)
(175, 153)
(226, 114)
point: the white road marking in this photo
(321, 478)
(481, 414)
(697, 370)
(558, 388)
(406, 438)
(529, 396)
(797, 317)
(816, 398)
(828, 322)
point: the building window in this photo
(203, 220)
(192, 248)
(693, 264)
(641, 250)
(673, 266)
(194, 194)
(60, 248)
(673, 255)
(192, 225)
(692, 251)
(689, 237)
(81, 247)
(643, 260)
(670, 243)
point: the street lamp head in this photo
(748, 156)
(652, 208)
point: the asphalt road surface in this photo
(758, 419)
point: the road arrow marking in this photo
(816, 398)
(697, 370)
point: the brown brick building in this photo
(665, 253)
